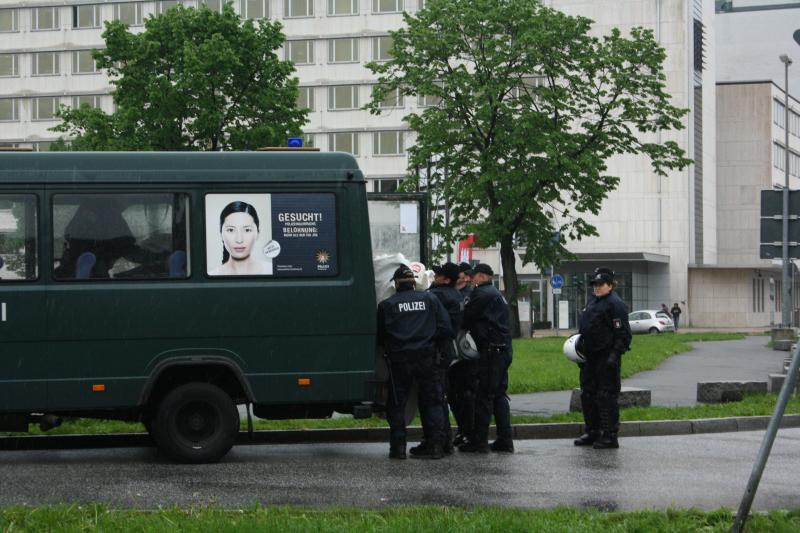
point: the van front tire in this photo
(196, 423)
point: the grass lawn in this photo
(417, 519)
(539, 363)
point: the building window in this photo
(9, 110)
(382, 48)
(93, 101)
(779, 114)
(46, 64)
(343, 50)
(758, 295)
(308, 140)
(794, 123)
(343, 97)
(387, 143)
(392, 99)
(428, 100)
(298, 8)
(130, 13)
(9, 65)
(779, 160)
(387, 185)
(8, 20)
(165, 5)
(45, 107)
(43, 146)
(387, 6)
(305, 98)
(44, 18)
(83, 62)
(255, 9)
(86, 16)
(300, 52)
(342, 7)
(216, 5)
(343, 142)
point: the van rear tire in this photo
(196, 423)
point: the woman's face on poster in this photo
(239, 233)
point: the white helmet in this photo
(467, 349)
(571, 349)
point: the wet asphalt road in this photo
(705, 471)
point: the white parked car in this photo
(650, 321)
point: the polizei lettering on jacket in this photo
(299, 217)
(411, 306)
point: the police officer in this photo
(443, 287)
(464, 283)
(486, 317)
(410, 324)
(605, 336)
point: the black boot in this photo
(397, 450)
(587, 439)
(502, 446)
(432, 451)
(420, 449)
(474, 447)
(606, 441)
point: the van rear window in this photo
(120, 236)
(18, 238)
(279, 234)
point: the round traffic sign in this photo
(557, 281)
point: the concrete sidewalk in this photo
(674, 382)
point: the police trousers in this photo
(491, 397)
(600, 386)
(424, 371)
(461, 394)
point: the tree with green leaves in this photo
(528, 106)
(194, 79)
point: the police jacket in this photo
(411, 322)
(604, 326)
(486, 317)
(466, 292)
(452, 301)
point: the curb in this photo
(568, 430)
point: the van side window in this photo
(271, 234)
(120, 236)
(18, 237)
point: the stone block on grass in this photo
(722, 391)
(628, 397)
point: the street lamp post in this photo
(786, 289)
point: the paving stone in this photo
(628, 397)
(719, 391)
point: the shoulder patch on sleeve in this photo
(617, 323)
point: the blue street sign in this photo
(295, 142)
(557, 281)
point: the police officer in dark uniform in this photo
(605, 336)
(464, 283)
(443, 287)
(486, 317)
(410, 324)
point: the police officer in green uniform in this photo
(605, 336)
(410, 325)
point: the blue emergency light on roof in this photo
(295, 142)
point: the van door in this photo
(23, 360)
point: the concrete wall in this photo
(721, 297)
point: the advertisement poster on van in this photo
(280, 235)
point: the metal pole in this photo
(786, 289)
(766, 445)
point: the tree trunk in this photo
(508, 260)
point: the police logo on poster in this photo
(281, 235)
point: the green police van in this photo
(171, 287)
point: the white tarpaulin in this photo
(384, 267)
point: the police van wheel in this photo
(196, 423)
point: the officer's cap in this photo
(602, 275)
(483, 268)
(466, 268)
(448, 270)
(403, 272)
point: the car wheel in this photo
(196, 423)
(653, 331)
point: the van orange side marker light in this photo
(303, 382)
(98, 387)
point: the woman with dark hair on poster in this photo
(239, 227)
